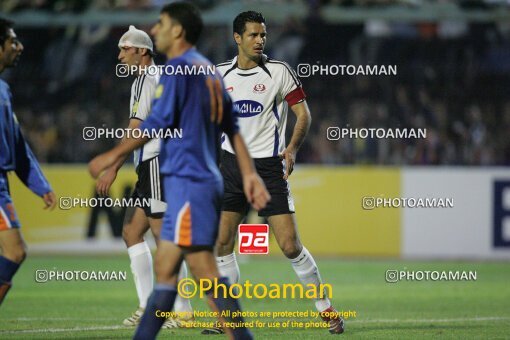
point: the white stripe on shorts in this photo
(4, 216)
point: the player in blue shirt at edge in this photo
(15, 155)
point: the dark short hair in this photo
(188, 16)
(244, 17)
(5, 25)
(149, 52)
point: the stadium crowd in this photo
(453, 80)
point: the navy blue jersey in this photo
(195, 102)
(15, 154)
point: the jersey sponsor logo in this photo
(253, 238)
(248, 108)
(259, 88)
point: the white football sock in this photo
(308, 273)
(182, 305)
(141, 267)
(228, 267)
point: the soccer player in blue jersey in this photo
(15, 155)
(199, 105)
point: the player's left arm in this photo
(303, 122)
(30, 173)
(109, 158)
(141, 114)
(291, 90)
(161, 117)
(105, 181)
(116, 156)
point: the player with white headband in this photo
(136, 53)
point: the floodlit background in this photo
(453, 79)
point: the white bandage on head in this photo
(135, 38)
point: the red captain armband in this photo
(296, 96)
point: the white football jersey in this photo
(262, 96)
(142, 92)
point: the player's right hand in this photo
(105, 181)
(50, 200)
(255, 191)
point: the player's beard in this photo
(256, 58)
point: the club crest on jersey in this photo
(259, 88)
(248, 108)
(135, 107)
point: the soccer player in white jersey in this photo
(263, 89)
(136, 52)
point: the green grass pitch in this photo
(404, 310)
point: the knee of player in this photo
(159, 265)
(166, 278)
(224, 247)
(130, 236)
(18, 254)
(125, 233)
(163, 275)
(291, 249)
